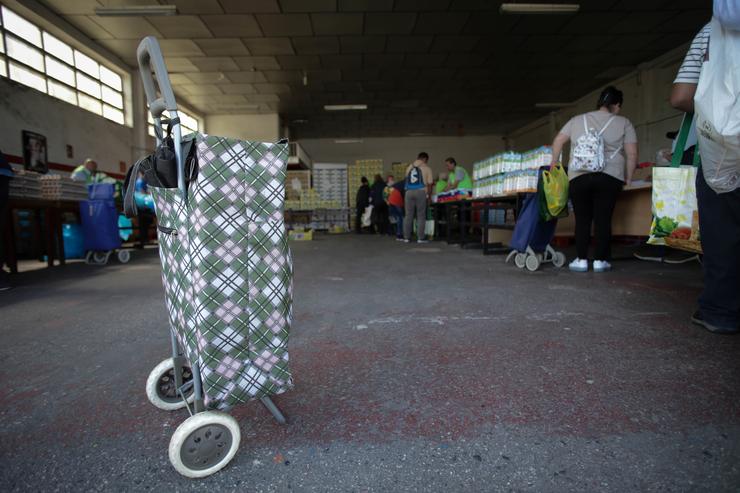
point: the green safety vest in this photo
(466, 183)
(441, 185)
(99, 177)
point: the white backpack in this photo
(588, 152)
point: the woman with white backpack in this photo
(603, 158)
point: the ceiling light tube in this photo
(344, 107)
(348, 141)
(135, 10)
(539, 8)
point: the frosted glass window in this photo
(62, 92)
(60, 71)
(2, 44)
(112, 113)
(27, 77)
(21, 27)
(3, 69)
(111, 78)
(86, 84)
(87, 64)
(25, 53)
(90, 104)
(58, 48)
(112, 97)
(188, 121)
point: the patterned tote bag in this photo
(227, 269)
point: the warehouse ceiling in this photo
(435, 67)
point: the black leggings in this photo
(594, 196)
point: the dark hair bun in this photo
(609, 96)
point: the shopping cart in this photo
(99, 217)
(530, 241)
(227, 273)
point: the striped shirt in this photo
(691, 66)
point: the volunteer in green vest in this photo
(88, 172)
(458, 176)
(441, 184)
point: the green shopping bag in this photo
(555, 187)
(675, 212)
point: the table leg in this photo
(59, 235)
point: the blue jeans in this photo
(719, 227)
(398, 212)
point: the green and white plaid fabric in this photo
(227, 269)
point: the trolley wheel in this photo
(124, 256)
(204, 443)
(558, 260)
(160, 386)
(100, 257)
(532, 263)
(520, 260)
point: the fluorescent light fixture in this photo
(539, 8)
(344, 107)
(135, 10)
(417, 134)
(348, 141)
(300, 121)
(554, 105)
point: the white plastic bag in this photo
(717, 105)
(367, 217)
(727, 13)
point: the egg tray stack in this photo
(362, 167)
(58, 187)
(295, 182)
(25, 184)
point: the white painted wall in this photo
(646, 94)
(90, 135)
(260, 128)
(466, 150)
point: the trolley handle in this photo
(149, 56)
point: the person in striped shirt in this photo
(719, 215)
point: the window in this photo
(37, 59)
(188, 123)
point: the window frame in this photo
(6, 60)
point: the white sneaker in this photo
(405, 240)
(422, 241)
(602, 266)
(579, 265)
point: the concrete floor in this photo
(417, 368)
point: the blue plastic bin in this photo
(74, 241)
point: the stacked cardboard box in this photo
(398, 170)
(295, 182)
(362, 167)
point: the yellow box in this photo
(300, 235)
